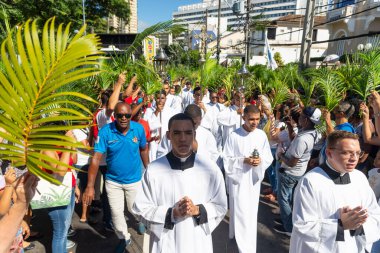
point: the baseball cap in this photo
(314, 114)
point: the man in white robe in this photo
(335, 209)
(205, 141)
(183, 197)
(158, 119)
(231, 119)
(245, 174)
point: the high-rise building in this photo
(233, 10)
(120, 26)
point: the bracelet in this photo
(8, 185)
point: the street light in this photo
(243, 73)
(160, 61)
(366, 47)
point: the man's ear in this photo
(167, 135)
(328, 153)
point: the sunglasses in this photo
(121, 115)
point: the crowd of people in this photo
(182, 157)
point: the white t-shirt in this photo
(81, 135)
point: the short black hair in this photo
(251, 109)
(160, 92)
(105, 96)
(197, 89)
(180, 116)
(193, 111)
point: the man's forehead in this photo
(122, 107)
(348, 143)
(182, 125)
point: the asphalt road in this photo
(94, 239)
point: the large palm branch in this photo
(34, 73)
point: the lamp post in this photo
(160, 61)
(243, 73)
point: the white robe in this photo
(230, 120)
(163, 187)
(158, 126)
(317, 200)
(244, 183)
(206, 144)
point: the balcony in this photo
(341, 12)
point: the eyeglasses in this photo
(197, 95)
(214, 97)
(121, 115)
(350, 154)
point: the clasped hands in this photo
(185, 208)
(352, 219)
(252, 161)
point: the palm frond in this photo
(121, 62)
(36, 67)
(330, 86)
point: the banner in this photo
(149, 49)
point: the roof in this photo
(297, 18)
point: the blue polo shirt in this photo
(123, 152)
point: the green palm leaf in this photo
(36, 68)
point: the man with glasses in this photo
(125, 144)
(335, 209)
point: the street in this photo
(95, 240)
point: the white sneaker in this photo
(70, 244)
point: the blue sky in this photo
(150, 12)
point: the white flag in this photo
(271, 62)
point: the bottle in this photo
(255, 154)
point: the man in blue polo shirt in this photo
(126, 147)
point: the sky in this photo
(150, 12)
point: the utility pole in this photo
(205, 49)
(218, 35)
(307, 35)
(247, 35)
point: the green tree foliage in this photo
(67, 11)
(278, 58)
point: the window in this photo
(271, 33)
(315, 35)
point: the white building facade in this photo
(269, 9)
(284, 36)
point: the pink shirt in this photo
(2, 182)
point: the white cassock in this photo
(317, 200)
(162, 187)
(229, 119)
(209, 121)
(206, 144)
(244, 182)
(158, 126)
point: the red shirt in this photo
(145, 124)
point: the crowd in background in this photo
(295, 132)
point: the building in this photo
(120, 26)
(284, 36)
(163, 39)
(353, 18)
(231, 46)
(233, 10)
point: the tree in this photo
(278, 58)
(96, 11)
